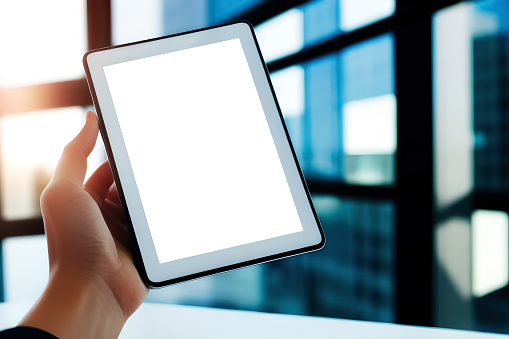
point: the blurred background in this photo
(396, 112)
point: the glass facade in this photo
(490, 61)
(352, 277)
(490, 88)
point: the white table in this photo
(172, 321)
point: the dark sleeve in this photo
(21, 332)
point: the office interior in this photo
(395, 109)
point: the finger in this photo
(113, 194)
(100, 182)
(73, 162)
(114, 209)
(116, 223)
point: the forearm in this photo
(73, 306)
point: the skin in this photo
(93, 285)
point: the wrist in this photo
(77, 306)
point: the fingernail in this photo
(88, 115)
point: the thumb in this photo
(73, 162)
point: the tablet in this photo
(206, 174)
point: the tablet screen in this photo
(201, 151)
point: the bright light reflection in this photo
(489, 251)
(42, 41)
(31, 146)
(281, 35)
(370, 126)
(357, 13)
(289, 87)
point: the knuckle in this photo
(68, 148)
(52, 195)
(48, 196)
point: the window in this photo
(396, 113)
(282, 35)
(352, 277)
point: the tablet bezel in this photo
(156, 274)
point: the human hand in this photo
(94, 286)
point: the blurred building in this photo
(491, 107)
(491, 151)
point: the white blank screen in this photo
(201, 151)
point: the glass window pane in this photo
(490, 256)
(490, 252)
(358, 13)
(281, 35)
(490, 38)
(137, 20)
(289, 87)
(26, 268)
(42, 41)
(368, 112)
(321, 20)
(351, 277)
(31, 144)
(304, 25)
(377, 137)
(184, 15)
(323, 150)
